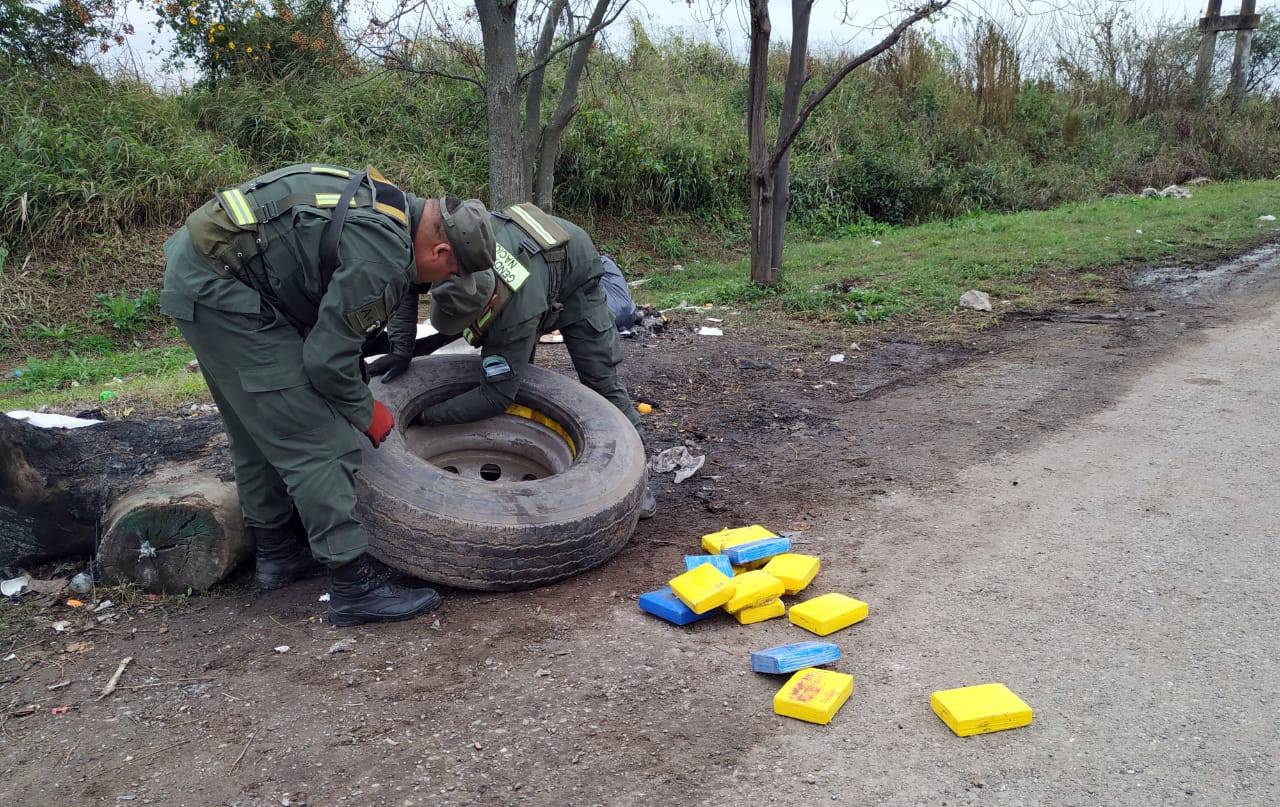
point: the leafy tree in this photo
(44, 33)
(1264, 56)
(257, 38)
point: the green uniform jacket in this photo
(560, 295)
(374, 273)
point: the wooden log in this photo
(181, 532)
(56, 485)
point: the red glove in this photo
(381, 425)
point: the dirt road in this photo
(1083, 508)
(1121, 575)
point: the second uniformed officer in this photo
(277, 284)
(546, 275)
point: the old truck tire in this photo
(557, 507)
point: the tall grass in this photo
(83, 154)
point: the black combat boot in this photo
(356, 596)
(282, 556)
(648, 504)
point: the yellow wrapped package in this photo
(980, 709)
(716, 542)
(813, 695)
(759, 613)
(702, 588)
(753, 588)
(828, 613)
(794, 570)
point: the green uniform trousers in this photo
(596, 351)
(289, 446)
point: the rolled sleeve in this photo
(515, 345)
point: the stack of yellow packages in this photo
(746, 572)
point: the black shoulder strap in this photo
(333, 230)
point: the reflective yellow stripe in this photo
(537, 417)
(237, 206)
(244, 212)
(529, 221)
(331, 200)
(337, 172)
(393, 212)
(376, 174)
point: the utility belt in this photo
(542, 236)
(230, 230)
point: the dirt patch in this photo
(47, 300)
(568, 694)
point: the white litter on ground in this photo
(15, 586)
(708, 331)
(677, 459)
(836, 358)
(48, 420)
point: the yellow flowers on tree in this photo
(256, 37)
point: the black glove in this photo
(390, 367)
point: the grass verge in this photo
(924, 269)
(153, 378)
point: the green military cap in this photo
(457, 301)
(415, 205)
(470, 233)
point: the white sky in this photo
(828, 29)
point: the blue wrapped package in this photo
(719, 561)
(664, 605)
(788, 658)
(753, 551)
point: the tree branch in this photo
(563, 46)
(785, 140)
(395, 61)
(566, 109)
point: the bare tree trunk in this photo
(508, 178)
(797, 76)
(763, 270)
(533, 92)
(762, 164)
(545, 173)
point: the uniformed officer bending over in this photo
(277, 284)
(546, 276)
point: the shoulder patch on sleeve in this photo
(368, 318)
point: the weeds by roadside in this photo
(924, 269)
